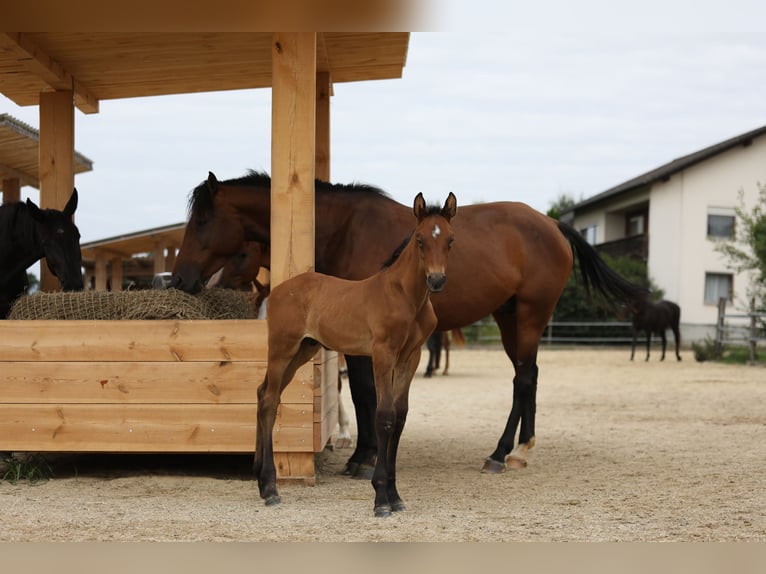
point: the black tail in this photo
(597, 274)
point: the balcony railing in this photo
(635, 246)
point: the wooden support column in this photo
(100, 272)
(323, 88)
(11, 189)
(159, 257)
(293, 120)
(116, 265)
(56, 160)
(170, 259)
(293, 132)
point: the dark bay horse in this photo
(518, 281)
(387, 317)
(655, 318)
(27, 234)
(441, 341)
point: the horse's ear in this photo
(36, 213)
(450, 206)
(212, 183)
(71, 205)
(419, 207)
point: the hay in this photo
(149, 304)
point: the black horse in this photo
(27, 234)
(655, 318)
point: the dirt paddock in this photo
(624, 452)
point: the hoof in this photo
(383, 511)
(398, 506)
(363, 472)
(491, 466)
(351, 469)
(343, 442)
(273, 500)
(515, 463)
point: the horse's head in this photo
(434, 239)
(240, 271)
(60, 240)
(214, 234)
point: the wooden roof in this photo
(130, 244)
(20, 155)
(105, 65)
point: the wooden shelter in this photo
(122, 402)
(19, 158)
(109, 260)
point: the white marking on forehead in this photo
(436, 232)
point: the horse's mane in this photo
(200, 197)
(10, 233)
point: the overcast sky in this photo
(506, 103)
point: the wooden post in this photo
(100, 272)
(159, 257)
(293, 129)
(56, 160)
(753, 331)
(116, 264)
(323, 87)
(11, 190)
(293, 121)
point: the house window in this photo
(720, 222)
(589, 233)
(635, 225)
(717, 285)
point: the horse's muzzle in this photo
(178, 282)
(436, 282)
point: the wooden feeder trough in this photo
(156, 386)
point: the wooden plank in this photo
(148, 428)
(143, 382)
(226, 340)
(326, 399)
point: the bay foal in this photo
(387, 316)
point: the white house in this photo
(671, 215)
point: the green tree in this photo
(563, 203)
(746, 250)
(33, 284)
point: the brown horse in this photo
(518, 280)
(387, 317)
(241, 271)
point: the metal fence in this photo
(486, 332)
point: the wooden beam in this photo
(23, 177)
(293, 146)
(47, 69)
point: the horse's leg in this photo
(648, 341)
(445, 346)
(433, 344)
(663, 336)
(343, 439)
(633, 343)
(280, 371)
(403, 375)
(521, 327)
(677, 338)
(361, 382)
(385, 420)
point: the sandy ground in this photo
(625, 452)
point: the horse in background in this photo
(438, 341)
(387, 317)
(27, 234)
(655, 318)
